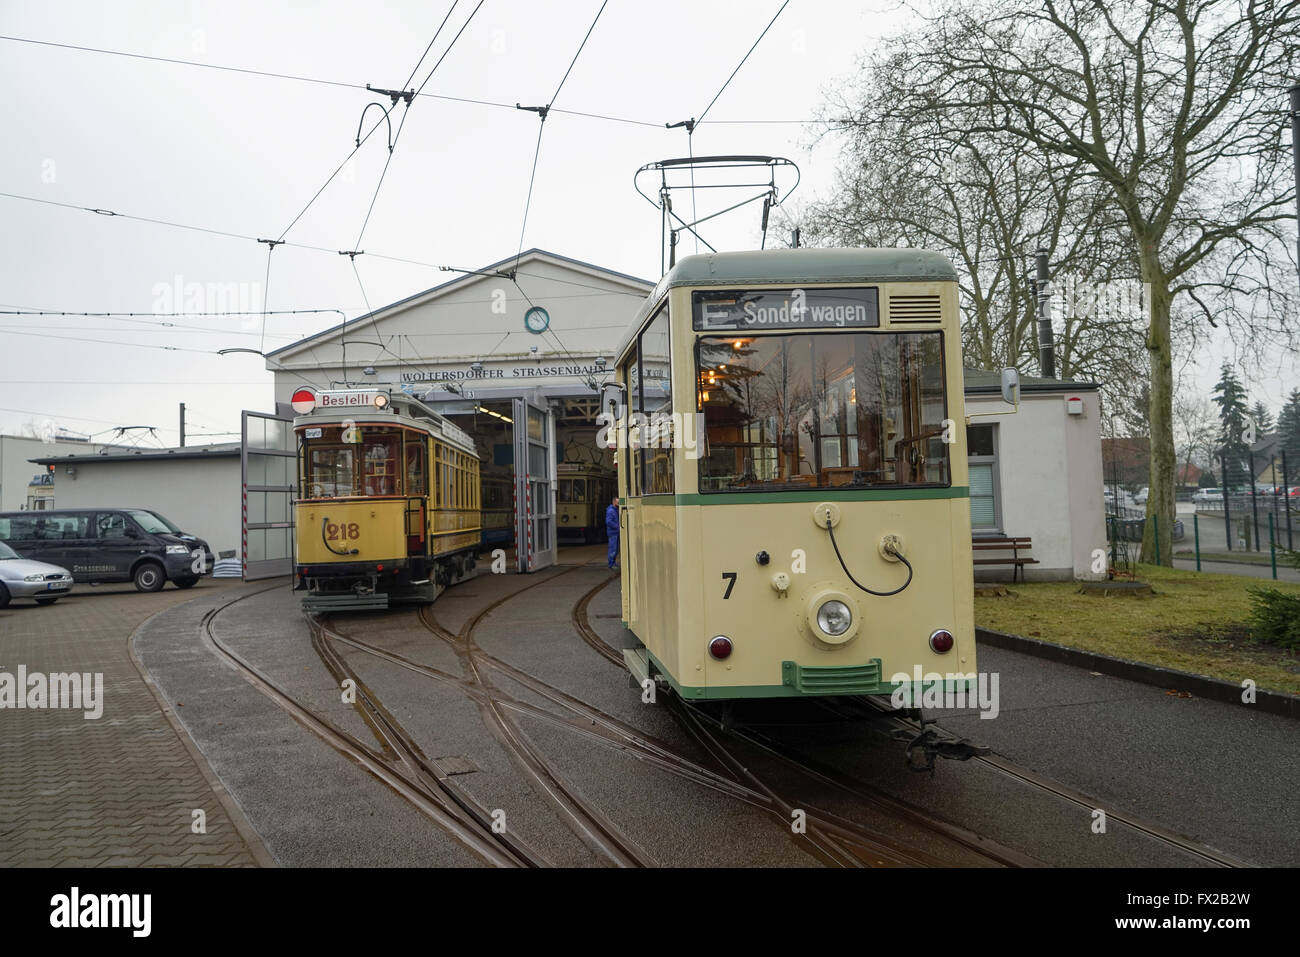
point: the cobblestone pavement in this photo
(122, 789)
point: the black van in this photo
(101, 545)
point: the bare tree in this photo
(1196, 426)
(989, 204)
(1175, 108)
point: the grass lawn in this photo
(1195, 622)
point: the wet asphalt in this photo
(1217, 773)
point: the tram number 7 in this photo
(731, 583)
(343, 530)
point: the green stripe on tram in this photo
(802, 681)
(817, 495)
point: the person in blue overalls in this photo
(611, 529)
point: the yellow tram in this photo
(584, 492)
(388, 506)
(498, 509)
(795, 516)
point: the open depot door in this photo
(268, 463)
(534, 428)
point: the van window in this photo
(67, 526)
(21, 528)
(111, 525)
(153, 524)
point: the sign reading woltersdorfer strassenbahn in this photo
(749, 310)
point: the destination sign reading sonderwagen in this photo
(749, 310)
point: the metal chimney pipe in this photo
(1046, 348)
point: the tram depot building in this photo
(489, 352)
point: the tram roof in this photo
(810, 265)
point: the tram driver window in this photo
(822, 410)
(653, 459)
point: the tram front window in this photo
(822, 410)
(367, 465)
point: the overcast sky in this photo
(244, 154)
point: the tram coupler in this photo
(927, 744)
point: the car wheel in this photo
(46, 601)
(149, 577)
(186, 582)
(4, 596)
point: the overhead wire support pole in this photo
(1295, 157)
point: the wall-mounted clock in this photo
(536, 320)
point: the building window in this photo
(985, 504)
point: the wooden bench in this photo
(1014, 544)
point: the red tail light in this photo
(720, 647)
(942, 641)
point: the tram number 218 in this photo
(342, 532)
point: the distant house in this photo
(1126, 461)
(1266, 455)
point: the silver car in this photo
(23, 578)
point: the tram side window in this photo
(822, 410)
(653, 459)
(415, 458)
(380, 457)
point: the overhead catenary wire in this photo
(542, 112)
(338, 84)
(287, 243)
(407, 109)
(778, 13)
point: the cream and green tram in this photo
(388, 507)
(795, 516)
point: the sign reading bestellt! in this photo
(348, 399)
(749, 310)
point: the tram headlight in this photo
(834, 617)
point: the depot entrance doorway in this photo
(545, 483)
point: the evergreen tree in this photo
(1230, 397)
(1263, 420)
(1288, 430)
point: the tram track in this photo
(863, 790)
(834, 837)
(418, 786)
(591, 824)
(1002, 765)
(607, 730)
